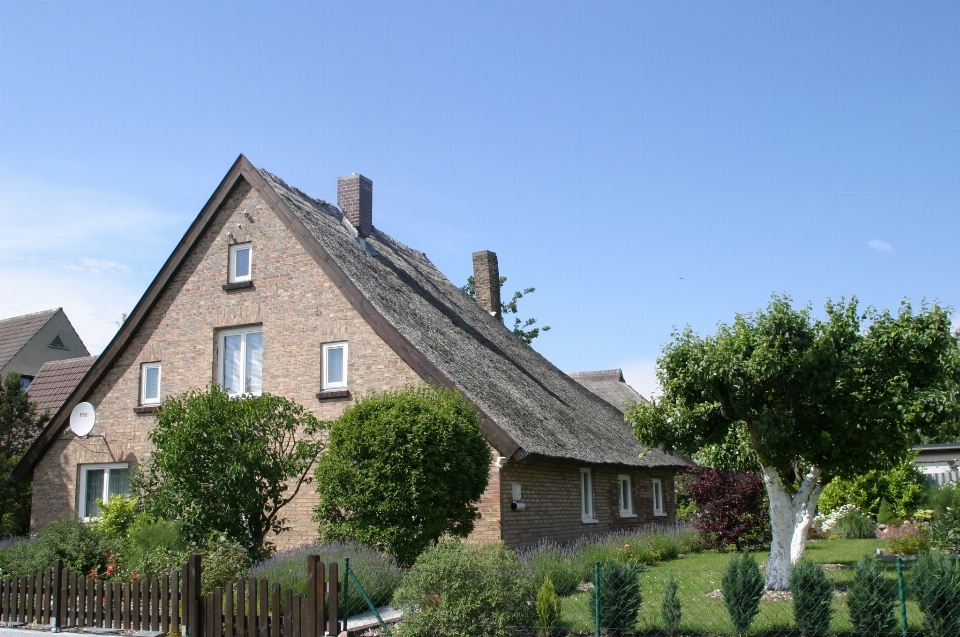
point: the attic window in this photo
(241, 257)
(56, 342)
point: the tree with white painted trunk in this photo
(809, 398)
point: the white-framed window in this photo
(100, 482)
(334, 366)
(241, 262)
(241, 361)
(150, 384)
(625, 488)
(586, 496)
(658, 497)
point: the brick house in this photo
(271, 290)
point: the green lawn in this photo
(699, 574)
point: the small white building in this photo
(939, 463)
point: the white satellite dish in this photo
(82, 419)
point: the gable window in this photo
(658, 497)
(150, 384)
(100, 482)
(241, 361)
(586, 496)
(241, 258)
(334, 366)
(57, 343)
(626, 496)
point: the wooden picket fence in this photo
(64, 599)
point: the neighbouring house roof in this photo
(528, 406)
(15, 332)
(949, 446)
(609, 385)
(56, 379)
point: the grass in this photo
(699, 574)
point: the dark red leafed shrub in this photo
(730, 507)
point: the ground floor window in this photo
(626, 496)
(100, 482)
(658, 497)
(586, 496)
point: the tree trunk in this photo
(790, 520)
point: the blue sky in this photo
(644, 165)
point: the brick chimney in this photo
(486, 281)
(355, 200)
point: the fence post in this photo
(312, 628)
(903, 597)
(596, 596)
(193, 603)
(57, 582)
(346, 589)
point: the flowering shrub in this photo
(827, 522)
(907, 539)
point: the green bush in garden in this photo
(935, 585)
(742, 590)
(549, 608)
(871, 600)
(619, 597)
(886, 514)
(855, 526)
(465, 590)
(82, 548)
(670, 610)
(812, 598)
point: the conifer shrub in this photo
(935, 585)
(549, 608)
(886, 514)
(812, 598)
(670, 609)
(871, 600)
(619, 598)
(742, 590)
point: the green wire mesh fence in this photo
(872, 598)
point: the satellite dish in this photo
(82, 419)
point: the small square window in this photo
(241, 259)
(658, 497)
(100, 482)
(586, 496)
(150, 384)
(334, 366)
(626, 496)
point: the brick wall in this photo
(299, 309)
(551, 493)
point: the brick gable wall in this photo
(299, 309)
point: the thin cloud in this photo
(98, 266)
(880, 246)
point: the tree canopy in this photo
(19, 426)
(403, 469)
(811, 398)
(525, 330)
(228, 465)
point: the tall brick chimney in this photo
(355, 200)
(486, 281)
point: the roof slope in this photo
(15, 332)
(542, 409)
(609, 385)
(56, 380)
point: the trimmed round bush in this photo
(465, 590)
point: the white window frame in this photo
(243, 356)
(626, 503)
(144, 400)
(657, 488)
(105, 496)
(325, 384)
(587, 511)
(232, 277)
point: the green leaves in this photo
(846, 393)
(404, 468)
(229, 465)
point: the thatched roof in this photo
(609, 385)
